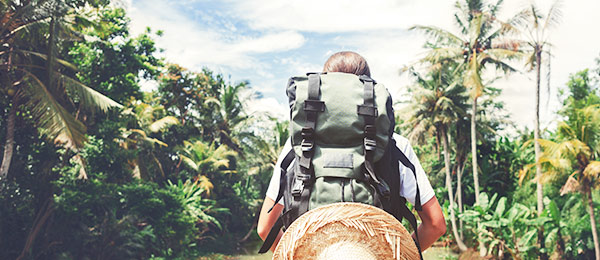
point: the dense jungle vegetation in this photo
(95, 168)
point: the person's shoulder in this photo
(401, 142)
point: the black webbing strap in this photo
(282, 177)
(304, 179)
(369, 111)
(404, 160)
(405, 213)
(285, 164)
(271, 236)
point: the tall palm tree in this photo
(150, 119)
(438, 102)
(481, 44)
(37, 80)
(577, 152)
(536, 28)
(230, 114)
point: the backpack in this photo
(341, 128)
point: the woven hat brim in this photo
(363, 227)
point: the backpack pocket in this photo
(329, 190)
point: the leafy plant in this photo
(503, 229)
(191, 195)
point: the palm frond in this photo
(20, 27)
(141, 132)
(45, 57)
(438, 34)
(475, 30)
(189, 162)
(439, 55)
(89, 98)
(504, 54)
(472, 78)
(205, 184)
(530, 60)
(554, 15)
(592, 171)
(571, 185)
(156, 141)
(51, 116)
(163, 123)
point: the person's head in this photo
(348, 62)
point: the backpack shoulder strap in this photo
(285, 164)
(408, 215)
(289, 157)
(406, 162)
(400, 209)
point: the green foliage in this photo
(190, 193)
(503, 227)
(112, 61)
(109, 220)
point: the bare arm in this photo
(267, 220)
(433, 224)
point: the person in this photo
(433, 224)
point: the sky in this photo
(266, 42)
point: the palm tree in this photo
(230, 114)
(149, 119)
(205, 160)
(578, 152)
(38, 81)
(479, 44)
(536, 26)
(438, 103)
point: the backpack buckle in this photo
(307, 139)
(297, 188)
(307, 145)
(370, 144)
(307, 133)
(300, 182)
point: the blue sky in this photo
(267, 41)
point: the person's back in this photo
(304, 124)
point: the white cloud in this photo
(338, 15)
(268, 106)
(192, 46)
(274, 42)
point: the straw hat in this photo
(346, 231)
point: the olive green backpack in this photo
(341, 128)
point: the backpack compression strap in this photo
(303, 180)
(369, 111)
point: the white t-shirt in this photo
(407, 178)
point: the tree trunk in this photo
(482, 249)
(459, 242)
(459, 173)
(538, 153)
(593, 222)
(41, 218)
(474, 149)
(10, 139)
